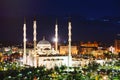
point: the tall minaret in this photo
(24, 42)
(69, 46)
(56, 36)
(34, 39)
(34, 33)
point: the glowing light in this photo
(105, 78)
(55, 40)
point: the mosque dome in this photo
(43, 45)
(43, 42)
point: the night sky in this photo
(92, 20)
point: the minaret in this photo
(56, 36)
(34, 39)
(69, 46)
(24, 42)
(34, 34)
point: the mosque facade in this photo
(43, 54)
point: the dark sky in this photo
(92, 20)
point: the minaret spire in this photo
(34, 33)
(24, 42)
(24, 20)
(69, 46)
(35, 39)
(56, 36)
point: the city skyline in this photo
(91, 20)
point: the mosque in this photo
(43, 54)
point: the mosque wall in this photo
(52, 61)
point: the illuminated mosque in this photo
(43, 54)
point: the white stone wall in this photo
(51, 61)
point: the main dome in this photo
(43, 42)
(44, 47)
